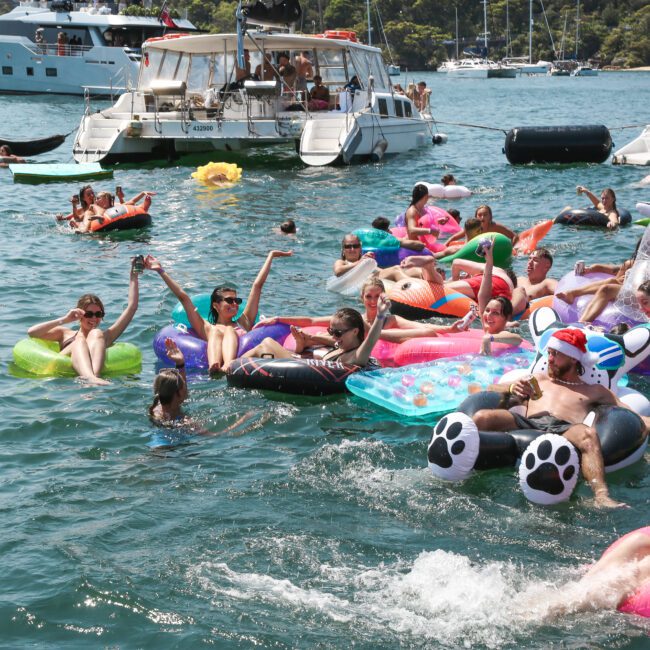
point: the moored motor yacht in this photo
(191, 97)
(68, 48)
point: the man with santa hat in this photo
(564, 404)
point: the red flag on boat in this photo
(165, 18)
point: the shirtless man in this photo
(565, 402)
(304, 68)
(535, 283)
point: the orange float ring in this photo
(121, 217)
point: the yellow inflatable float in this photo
(216, 173)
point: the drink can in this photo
(534, 386)
(469, 317)
(579, 268)
(483, 245)
(138, 264)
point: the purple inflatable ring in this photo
(608, 318)
(194, 348)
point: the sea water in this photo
(322, 526)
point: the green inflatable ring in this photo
(39, 357)
(502, 250)
(375, 238)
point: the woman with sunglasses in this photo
(348, 342)
(350, 255)
(87, 345)
(221, 330)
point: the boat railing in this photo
(54, 49)
(89, 7)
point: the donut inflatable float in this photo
(121, 217)
(590, 217)
(43, 358)
(294, 376)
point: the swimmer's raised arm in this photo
(193, 316)
(247, 319)
(117, 328)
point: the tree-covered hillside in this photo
(617, 32)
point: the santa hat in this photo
(573, 343)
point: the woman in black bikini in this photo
(347, 335)
(87, 345)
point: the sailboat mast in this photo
(456, 33)
(485, 32)
(508, 44)
(530, 31)
(577, 26)
(369, 32)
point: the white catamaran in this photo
(193, 97)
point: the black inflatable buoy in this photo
(558, 144)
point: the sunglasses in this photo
(337, 334)
(93, 314)
(230, 300)
(351, 246)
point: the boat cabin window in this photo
(383, 106)
(331, 65)
(149, 69)
(199, 76)
(169, 65)
(370, 63)
(219, 72)
(399, 108)
(408, 111)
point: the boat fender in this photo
(379, 150)
(439, 138)
(558, 144)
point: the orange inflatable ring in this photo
(415, 298)
(121, 217)
(536, 303)
(341, 35)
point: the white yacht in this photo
(636, 152)
(584, 70)
(524, 66)
(188, 100)
(472, 68)
(99, 52)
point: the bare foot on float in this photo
(567, 296)
(300, 337)
(216, 369)
(146, 204)
(416, 261)
(95, 381)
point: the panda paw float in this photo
(549, 463)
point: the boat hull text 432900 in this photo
(192, 98)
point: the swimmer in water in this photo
(170, 392)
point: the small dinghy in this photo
(33, 147)
(58, 172)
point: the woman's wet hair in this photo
(166, 385)
(352, 318)
(644, 287)
(217, 296)
(512, 275)
(288, 227)
(455, 214)
(381, 223)
(612, 194)
(89, 299)
(506, 306)
(472, 224)
(82, 191)
(448, 178)
(5, 150)
(484, 207)
(419, 192)
(370, 283)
